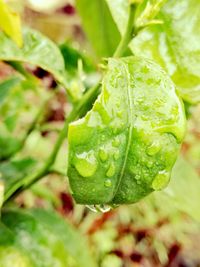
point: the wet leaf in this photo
(175, 44)
(125, 147)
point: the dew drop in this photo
(99, 208)
(153, 149)
(137, 177)
(108, 183)
(104, 208)
(103, 154)
(119, 114)
(86, 163)
(116, 155)
(116, 142)
(118, 104)
(92, 208)
(149, 164)
(161, 180)
(111, 170)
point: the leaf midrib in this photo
(130, 115)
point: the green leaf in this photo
(44, 239)
(99, 26)
(8, 146)
(6, 86)
(183, 190)
(13, 171)
(37, 50)
(125, 147)
(175, 44)
(10, 23)
(71, 57)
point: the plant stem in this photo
(128, 35)
(44, 170)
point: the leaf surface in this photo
(125, 147)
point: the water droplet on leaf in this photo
(108, 183)
(116, 142)
(161, 180)
(99, 208)
(103, 154)
(92, 208)
(116, 155)
(111, 170)
(153, 149)
(86, 163)
(137, 177)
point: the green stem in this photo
(44, 170)
(128, 35)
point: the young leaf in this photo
(42, 238)
(99, 26)
(125, 147)
(10, 23)
(37, 50)
(175, 44)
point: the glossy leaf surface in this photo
(40, 238)
(125, 147)
(37, 50)
(175, 44)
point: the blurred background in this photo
(162, 229)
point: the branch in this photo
(44, 170)
(129, 32)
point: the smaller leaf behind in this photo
(37, 50)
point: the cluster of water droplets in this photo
(162, 177)
(101, 207)
(86, 164)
